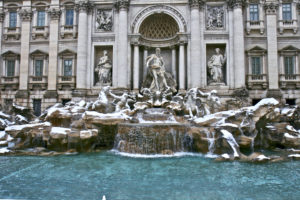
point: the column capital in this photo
(84, 6)
(25, 14)
(122, 4)
(271, 8)
(135, 39)
(236, 3)
(196, 4)
(54, 13)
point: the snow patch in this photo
(59, 130)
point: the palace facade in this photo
(51, 50)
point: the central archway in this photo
(159, 26)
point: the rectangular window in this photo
(38, 71)
(10, 68)
(289, 62)
(13, 19)
(68, 67)
(69, 17)
(286, 11)
(41, 18)
(256, 65)
(254, 13)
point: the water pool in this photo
(90, 176)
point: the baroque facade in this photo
(60, 50)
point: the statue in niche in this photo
(104, 69)
(215, 67)
(157, 78)
(215, 17)
(104, 20)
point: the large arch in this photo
(143, 14)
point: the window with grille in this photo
(68, 67)
(13, 19)
(37, 104)
(256, 65)
(254, 13)
(41, 18)
(38, 71)
(289, 65)
(69, 17)
(286, 11)
(10, 68)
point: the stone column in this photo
(122, 6)
(144, 62)
(25, 15)
(136, 67)
(195, 69)
(1, 32)
(174, 62)
(272, 56)
(182, 66)
(54, 13)
(81, 72)
(238, 44)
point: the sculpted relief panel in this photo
(215, 18)
(104, 20)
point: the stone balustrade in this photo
(255, 25)
(289, 81)
(11, 82)
(38, 82)
(288, 25)
(257, 81)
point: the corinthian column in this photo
(272, 57)
(122, 7)
(238, 43)
(54, 13)
(195, 69)
(83, 7)
(1, 29)
(25, 15)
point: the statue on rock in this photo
(215, 67)
(158, 82)
(122, 102)
(103, 69)
(157, 78)
(102, 104)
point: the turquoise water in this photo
(90, 176)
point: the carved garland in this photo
(158, 7)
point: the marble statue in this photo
(122, 102)
(192, 103)
(103, 69)
(104, 20)
(157, 78)
(215, 67)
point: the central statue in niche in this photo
(215, 67)
(157, 78)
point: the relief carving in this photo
(215, 17)
(104, 21)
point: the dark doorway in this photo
(37, 107)
(65, 101)
(255, 101)
(290, 102)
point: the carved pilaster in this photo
(54, 13)
(271, 8)
(25, 14)
(236, 3)
(122, 4)
(84, 6)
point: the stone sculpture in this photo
(122, 102)
(215, 17)
(192, 103)
(103, 69)
(215, 67)
(104, 20)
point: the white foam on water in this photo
(177, 154)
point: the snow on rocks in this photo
(94, 117)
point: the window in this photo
(69, 17)
(256, 65)
(290, 102)
(289, 65)
(254, 14)
(286, 11)
(10, 68)
(41, 18)
(37, 104)
(13, 19)
(39, 68)
(68, 67)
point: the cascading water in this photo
(231, 141)
(211, 142)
